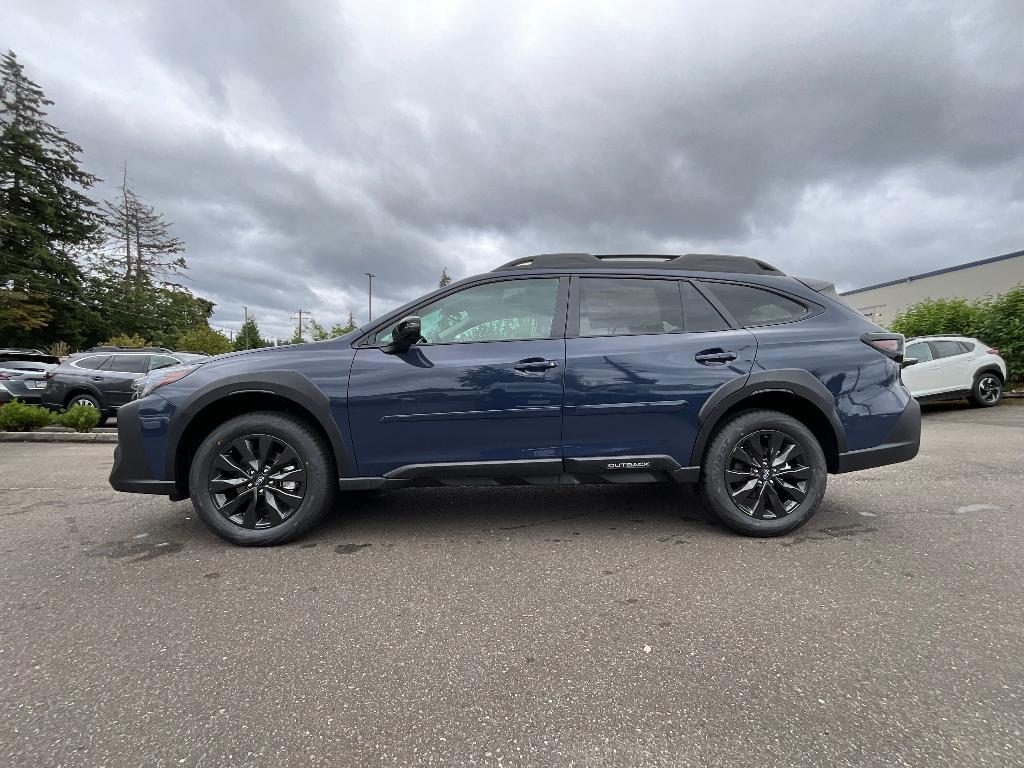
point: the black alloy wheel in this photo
(257, 481)
(989, 390)
(767, 474)
(263, 478)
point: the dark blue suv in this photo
(551, 370)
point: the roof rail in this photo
(694, 262)
(115, 348)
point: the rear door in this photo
(642, 356)
(484, 385)
(954, 365)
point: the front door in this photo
(642, 357)
(484, 384)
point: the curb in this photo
(57, 437)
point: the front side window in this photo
(756, 306)
(162, 361)
(501, 311)
(920, 352)
(627, 307)
(129, 363)
(947, 348)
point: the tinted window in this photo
(700, 315)
(946, 348)
(920, 352)
(502, 311)
(91, 363)
(162, 361)
(129, 363)
(965, 347)
(631, 306)
(754, 306)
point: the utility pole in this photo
(369, 310)
(300, 312)
(245, 309)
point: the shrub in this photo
(202, 338)
(124, 340)
(953, 316)
(81, 418)
(18, 417)
(58, 349)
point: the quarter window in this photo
(755, 306)
(162, 361)
(500, 311)
(621, 307)
(92, 363)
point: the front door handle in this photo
(97, 378)
(535, 365)
(715, 357)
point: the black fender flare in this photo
(990, 368)
(290, 385)
(792, 381)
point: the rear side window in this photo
(92, 363)
(920, 352)
(755, 306)
(946, 348)
(964, 346)
(129, 363)
(699, 314)
(627, 307)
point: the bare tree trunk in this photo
(127, 229)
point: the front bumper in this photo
(131, 472)
(902, 444)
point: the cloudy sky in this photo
(298, 145)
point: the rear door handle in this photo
(535, 365)
(715, 357)
(97, 378)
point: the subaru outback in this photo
(555, 369)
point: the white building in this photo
(976, 279)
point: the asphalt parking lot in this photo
(584, 626)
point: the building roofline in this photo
(969, 264)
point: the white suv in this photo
(952, 367)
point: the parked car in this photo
(955, 367)
(23, 374)
(103, 380)
(554, 369)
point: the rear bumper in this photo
(902, 444)
(131, 472)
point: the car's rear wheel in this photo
(763, 473)
(262, 478)
(987, 390)
(84, 398)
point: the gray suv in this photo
(103, 379)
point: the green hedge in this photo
(15, 416)
(997, 321)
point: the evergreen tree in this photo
(44, 218)
(249, 336)
(140, 240)
(445, 278)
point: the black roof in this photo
(693, 262)
(934, 272)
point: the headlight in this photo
(148, 384)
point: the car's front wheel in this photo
(763, 473)
(262, 478)
(987, 390)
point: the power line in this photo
(299, 318)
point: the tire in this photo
(287, 462)
(798, 483)
(987, 389)
(84, 398)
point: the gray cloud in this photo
(297, 146)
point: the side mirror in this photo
(908, 361)
(406, 333)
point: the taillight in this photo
(889, 344)
(49, 375)
(5, 377)
(992, 351)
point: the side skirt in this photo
(596, 470)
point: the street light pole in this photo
(369, 310)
